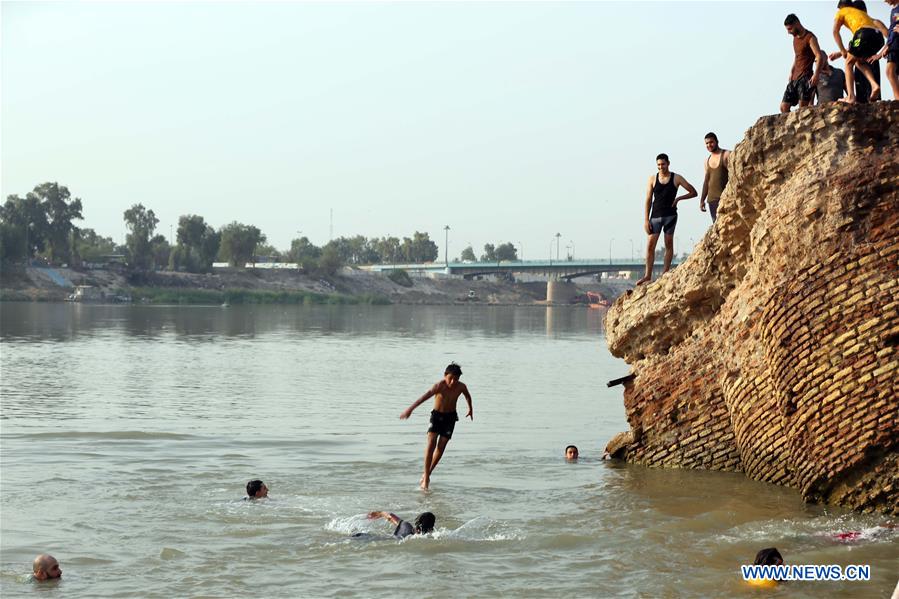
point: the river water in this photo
(128, 434)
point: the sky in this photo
(506, 121)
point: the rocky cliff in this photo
(774, 349)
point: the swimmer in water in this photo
(45, 567)
(423, 524)
(571, 453)
(766, 557)
(256, 489)
(446, 393)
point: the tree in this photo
(90, 247)
(142, 223)
(161, 250)
(489, 254)
(26, 224)
(265, 250)
(198, 244)
(61, 210)
(506, 251)
(238, 244)
(329, 262)
(304, 253)
(423, 249)
(468, 254)
(388, 249)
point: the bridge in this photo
(552, 269)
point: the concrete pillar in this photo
(560, 292)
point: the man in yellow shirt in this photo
(867, 40)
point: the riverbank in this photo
(350, 286)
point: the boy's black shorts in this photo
(443, 423)
(798, 89)
(865, 43)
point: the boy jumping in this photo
(443, 417)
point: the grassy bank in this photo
(167, 295)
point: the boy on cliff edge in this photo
(446, 393)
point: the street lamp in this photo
(632, 250)
(558, 241)
(610, 249)
(446, 230)
(520, 251)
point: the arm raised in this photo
(429, 393)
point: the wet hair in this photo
(768, 557)
(663, 157)
(453, 369)
(424, 523)
(711, 135)
(253, 487)
(791, 19)
(845, 3)
(860, 4)
(570, 447)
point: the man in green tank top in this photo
(716, 175)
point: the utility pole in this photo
(521, 251)
(446, 229)
(610, 249)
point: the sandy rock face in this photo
(774, 349)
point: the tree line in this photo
(42, 224)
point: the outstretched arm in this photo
(468, 399)
(691, 191)
(392, 518)
(429, 393)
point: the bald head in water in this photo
(45, 567)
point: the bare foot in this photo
(847, 100)
(425, 483)
(875, 93)
(644, 280)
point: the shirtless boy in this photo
(443, 417)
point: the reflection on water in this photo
(59, 322)
(129, 432)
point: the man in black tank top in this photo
(661, 212)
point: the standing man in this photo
(891, 49)
(862, 86)
(715, 175)
(801, 85)
(661, 212)
(867, 39)
(831, 82)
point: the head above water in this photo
(768, 557)
(845, 3)
(256, 489)
(711, 141)
(424, 523)
(45, 567)
(571, 452)
(860, 4)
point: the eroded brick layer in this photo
(774, 349)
